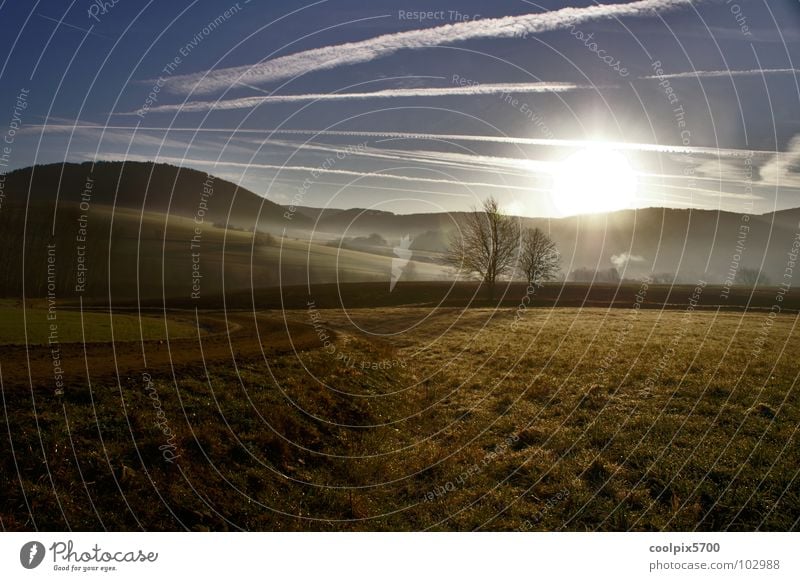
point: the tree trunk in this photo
(489, 282)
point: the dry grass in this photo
(577, 420)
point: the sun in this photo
(593, 180)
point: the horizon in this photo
(411, 213)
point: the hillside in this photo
(127, 255)
(678, 244)
(149, 187)
(141, 219)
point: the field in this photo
(418, 418)
(33, 324)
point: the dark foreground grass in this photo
(568, 420)
(34, 325)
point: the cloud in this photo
(713, 74)
(524, 167)
(725, 170)
(714, 152)
(251, 102)
(783, 168)
(319, 170)
(620, 261)
(569, 143)
(468, 161)
(441, 137)
(352, 53)
(101, 134)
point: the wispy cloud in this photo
(487, 89)
(101, 134)
(314, 171)
(528, 167)
(379, 175)
(783, 169)
(472, 90)
(713, 74)
(507, 166)
(568, 143)
(352, 53)
(270, 133)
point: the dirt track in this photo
(224, 339)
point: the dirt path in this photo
(225, 339)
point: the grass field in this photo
(448, 419)
(90, 326)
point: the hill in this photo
(153, 226)
(678, 245)
(149, 187)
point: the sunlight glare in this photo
(593, 180)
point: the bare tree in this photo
(539, 259)
(484, 244)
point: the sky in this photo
(420, 106)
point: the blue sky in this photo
(417, 106)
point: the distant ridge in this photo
(677, 245)
(147, 186)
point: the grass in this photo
(74, 327)
(573, 419)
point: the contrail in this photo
(342, 172)
(570, 143)
(713, 74)
(352, 53)
(487, 89)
